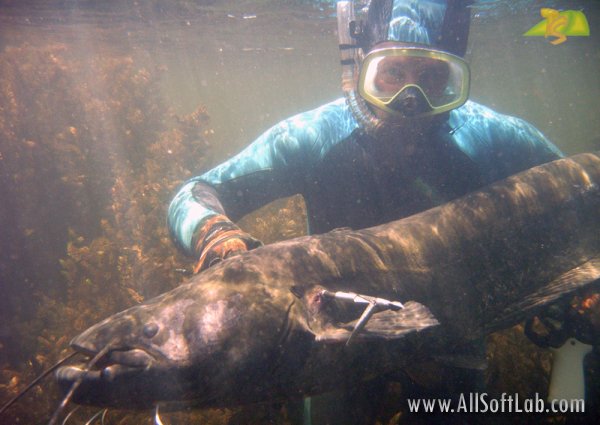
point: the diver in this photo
(402, 139)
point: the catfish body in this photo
(260, 327)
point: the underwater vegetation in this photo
(90, 156)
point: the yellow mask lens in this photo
(442, 78)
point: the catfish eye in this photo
(150, 329)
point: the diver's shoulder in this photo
(474, 109)
(475, 113)
(487, 135)
(324, 125)
(308, 135)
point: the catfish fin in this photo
(387, 324)
(564, 285)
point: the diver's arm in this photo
(273, 166)
(201, 213)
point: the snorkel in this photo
(350, 57)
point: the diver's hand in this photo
(227, 244)
(219, 238)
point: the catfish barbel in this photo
(274, 323)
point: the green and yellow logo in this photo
(559, 25)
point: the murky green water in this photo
(554, 87)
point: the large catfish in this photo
(274, 323)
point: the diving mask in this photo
(413, 81)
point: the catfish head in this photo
(205, 343)
(233, 335)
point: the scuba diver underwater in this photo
(404, 138)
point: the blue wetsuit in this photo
(349, 179)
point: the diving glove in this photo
(219, 238)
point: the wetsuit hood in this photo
(441, 24)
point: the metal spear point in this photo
(373, 304)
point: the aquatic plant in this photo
(89, 157)
(279, 220)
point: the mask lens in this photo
(442, 78)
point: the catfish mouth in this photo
(113, 365)
(122, 377)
